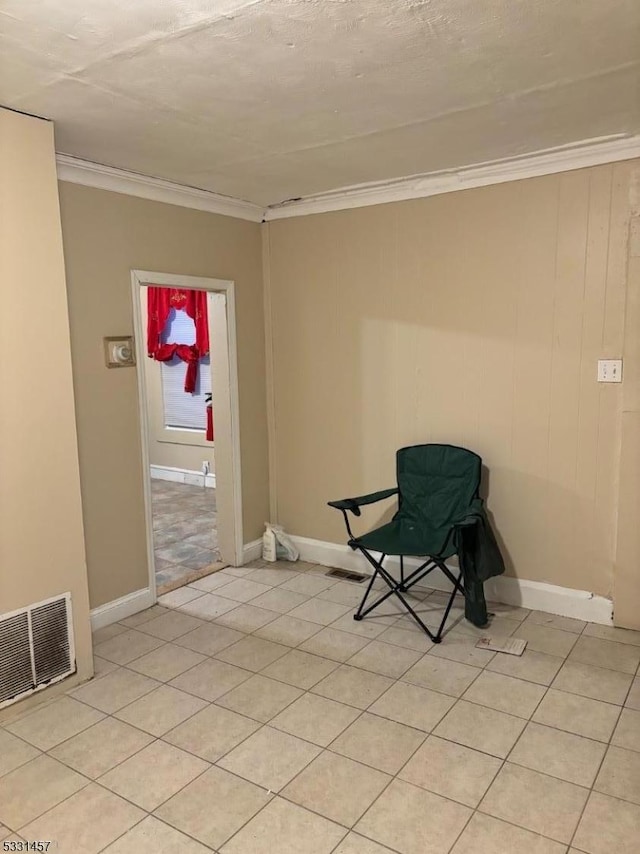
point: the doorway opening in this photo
(189, 415)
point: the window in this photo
(181, 410)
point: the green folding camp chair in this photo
(440, 514)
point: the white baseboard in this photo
(252, 551)
(536, 595)
(127, 606)
(193, 478)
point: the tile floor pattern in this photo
(184, 531)
(249, 714)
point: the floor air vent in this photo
(345, 575)
(36, 648)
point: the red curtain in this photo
(160, 301)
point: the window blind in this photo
(180, 409)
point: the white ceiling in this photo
(267, 100)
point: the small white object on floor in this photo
(512, 646)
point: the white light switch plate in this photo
(609, 370)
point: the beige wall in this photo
(106, 235)
(180, 449)
(42, 552)
(475, 318)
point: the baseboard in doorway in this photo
(121, 608)
(192, 478)
(536, 595)
(252, 551)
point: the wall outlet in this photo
(609, 370)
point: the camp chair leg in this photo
(456, 588)
(358, 614)
(401, 586)
(394, 588)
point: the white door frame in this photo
(232, 485)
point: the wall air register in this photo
(36, 648)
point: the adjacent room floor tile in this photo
(86, 822)
(448, 677)
(272, 575)
(107, 632)
(337, 787)
(597, 683)
(179, 597)
(308, 584)
(242, 590)
(143, 616)
(167, 662)
(627, 732)
(209, 639)
(269, 758)
(101, 747)
(633, 698)
(332, 643)
(35, 788)
(487, 835)
(161, 710)
(288, 829)
(462, 648)
(288, 630)
(531, 666)
(353, 686)
(170, 626)
(260, 698)
(115, 690)
(320, 611)
(210, 679)
(612, 633)
(413, 821)
(127, 646)
(300, 669)
(506, 694)
(536, 802)
(451, 770)
(553, 621)
(252, 653)
(620, 775)
(208, 606)
(608, 825)
(378, 742)
(561, 754)
(213, 807)
(409, 704)
(370, 627)
(155, 836)
(315, 719)
(609, 654)
(385, 658)
(580, 715)
(211, 732)
(481, 728)
(14, 752)
(247, 618)
(280, 600)
(153, 775)
(353, 843)
(547, 640)
(54, 722)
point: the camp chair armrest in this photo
(472, 515)
(354, 504)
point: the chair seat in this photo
(404, 537)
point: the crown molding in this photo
(77, 171)
(592, 152)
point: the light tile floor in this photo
(218, 724)
(184, 532)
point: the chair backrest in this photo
(436, 483)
